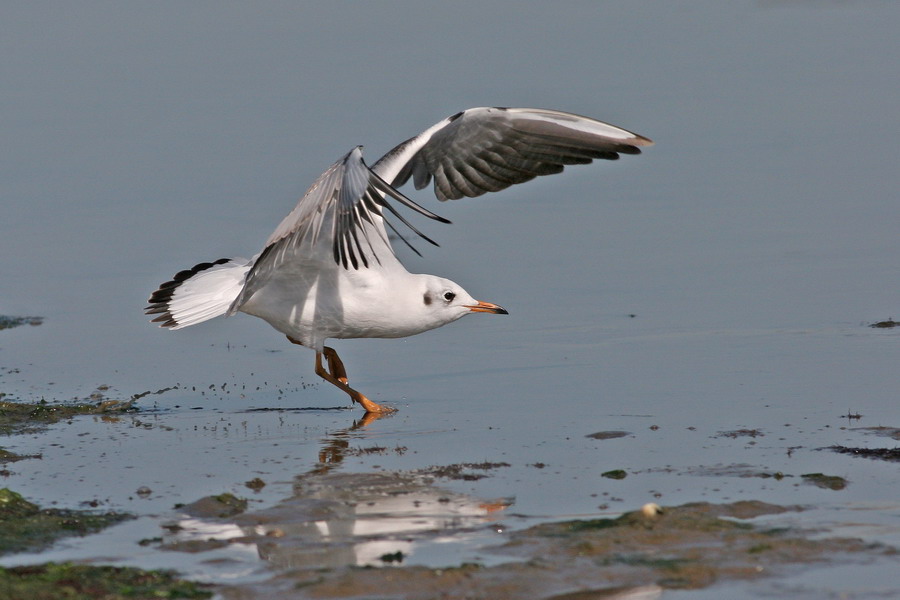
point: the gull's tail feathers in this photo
(199, 294)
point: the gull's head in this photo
(442, 301)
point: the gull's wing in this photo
(338, 221)
(488, 149)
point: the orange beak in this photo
(487, 307)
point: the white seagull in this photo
(329, 271)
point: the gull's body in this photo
(328, 270)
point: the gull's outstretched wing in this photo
(340, 218)
(488, 149)
(338, 221)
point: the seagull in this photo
(329, 270)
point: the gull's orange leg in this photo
(336, 365)
(335, 379)
(337, 376)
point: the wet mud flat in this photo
(316, 540)
(353, 535)
(18, 418)
(360, 534)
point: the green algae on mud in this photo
(30, 417)
(67, 581)
(828, 482)
(25, 526)
(220, 506)
(7, 456)
(27, 417)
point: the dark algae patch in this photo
(7, 456)
(460, 470)
(25, 526)
(828, 482)
(741, 433)
(393, 557)
(891, 454)
(10, 322)
(889, 323)
(255, 484)
(67, 581)
(607, 435)
(220, 506)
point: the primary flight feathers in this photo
(470, 153)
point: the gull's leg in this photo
(338, 377)
(371, 407)
(336, 365)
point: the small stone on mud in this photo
(615, 474)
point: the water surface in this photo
(723, 281)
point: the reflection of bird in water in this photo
(644, 592)
(347, 519)
(336, 444)
(339, 519)
(329, 271)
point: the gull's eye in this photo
(449, 296)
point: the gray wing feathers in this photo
(488, 149)
(468, 154)
(344, 209)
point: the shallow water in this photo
(723, 281)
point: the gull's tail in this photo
(198, 294)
